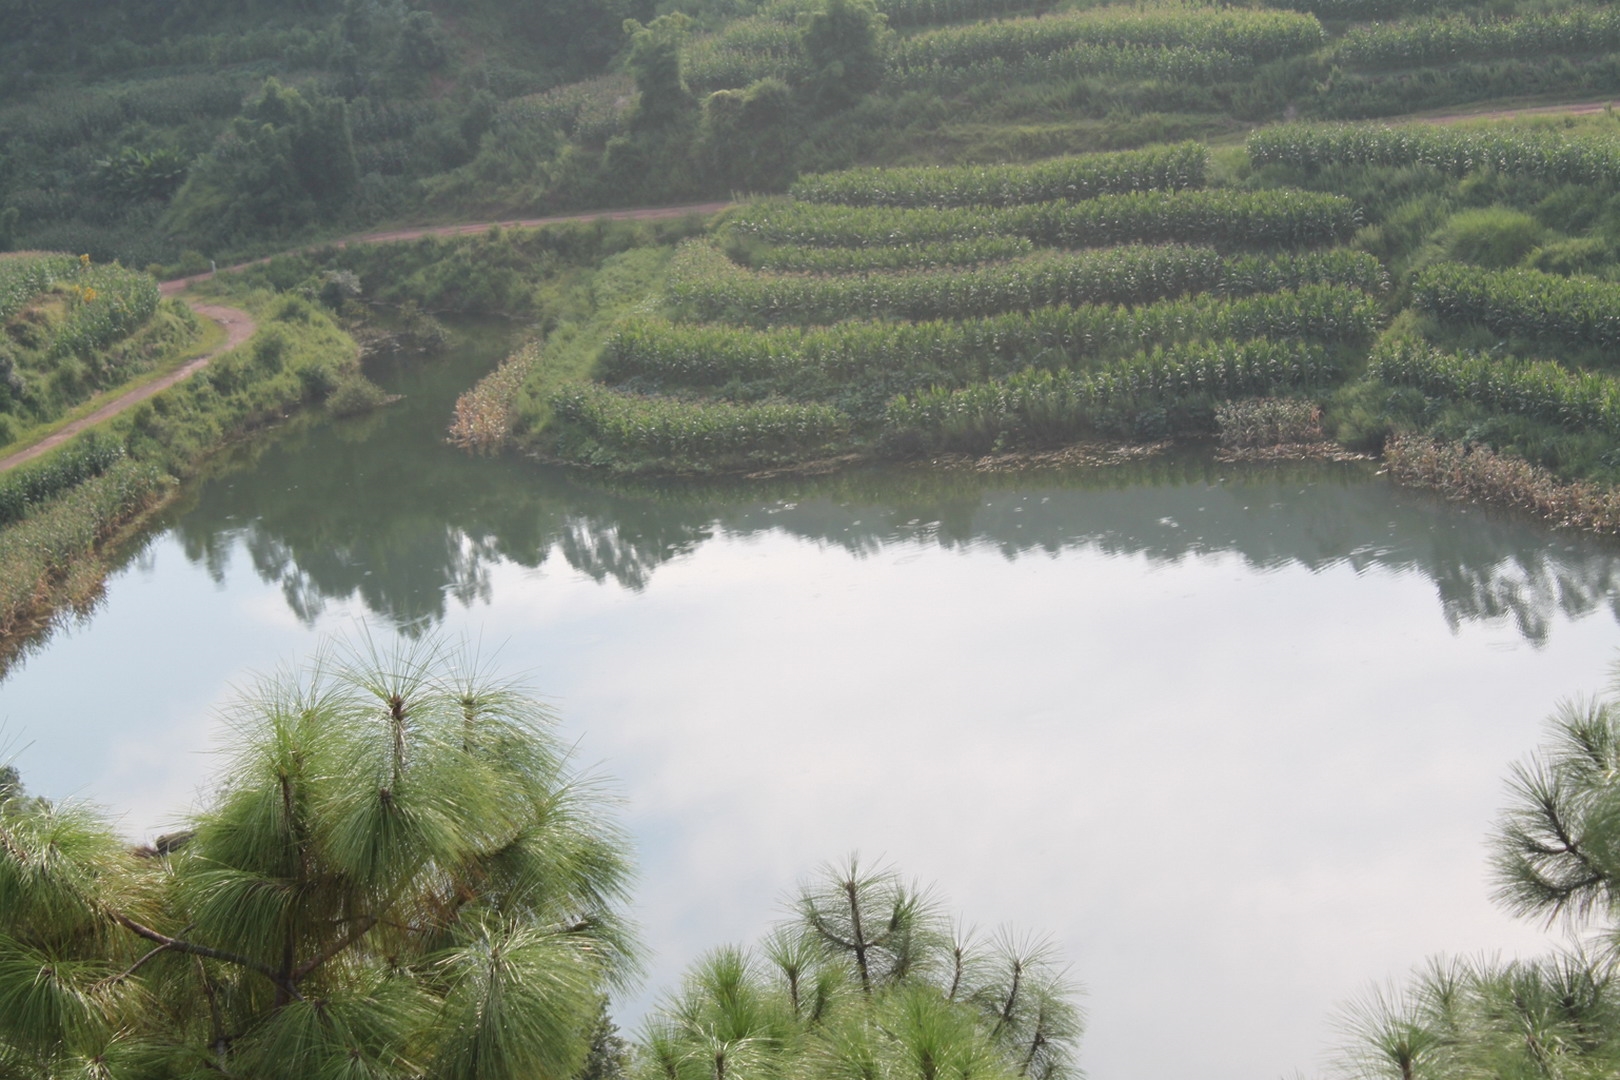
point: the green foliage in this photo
(1555, 856)
(1109, 65)
(844, 44)
(662, 430)
(1457, 151)
(1543, 390)
(1159, 168)
(744, 52)
(286, 161)
(66, 523)
(1411, 42)
(1492, 236)
(708, 286)
(1523, 303)
(747, 136)
(29, 486)
(298, 357)
(908, 13)
(25, 276)
(1156, 393)
(790, 258)
(963, 350)
(400, 873)
(868, 980)
(1257, 35)
(1223, 217)
(655, 61)
(106, 303)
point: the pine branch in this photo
(205, 951)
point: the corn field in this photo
(1170, 168)
(26, 488)
(708, 287)
(1222, 217)
(1039, 407)
(1525, 303)
(666, 428)
(107, 303)
(1413, 42)
(1541, 390)
(1182, 64)
(678, 354)
(795, 258)
(25, 275)
(1249, 33)
(1549, 155)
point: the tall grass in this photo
(664, 429)
(484, 415)
(38, 552)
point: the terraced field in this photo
(1111, 295)
(1127, 296)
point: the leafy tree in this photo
(398, 876)
(662, 98)
(287, 160)
(869, 980)
(845, 41)
(748, 136)
(1556, 857)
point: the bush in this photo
(1491, 236)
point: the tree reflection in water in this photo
(333, 519)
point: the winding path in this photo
(239, 325)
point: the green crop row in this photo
(1082, 177)
(29, 486)
(1412, 42)
(1357, 95)
(708, 354)
(36, 553)
(588, 111)
(1543, 154)
(666, 428)
(107, 303)
(1362, 9)
(1182, 64)
(25, 276)
(713, 289)
(1528, 303)
(746, 51)
(788, 258)
(1046, 407)
(927, 12)
(1223, 217)
(1541, 390)
(1253, 34)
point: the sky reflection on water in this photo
(1232, 737)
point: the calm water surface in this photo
(1232, 736)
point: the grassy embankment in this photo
(72, 332)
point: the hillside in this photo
(176, 134)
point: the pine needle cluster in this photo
(869, 981)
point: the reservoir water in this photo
(1232, 736)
